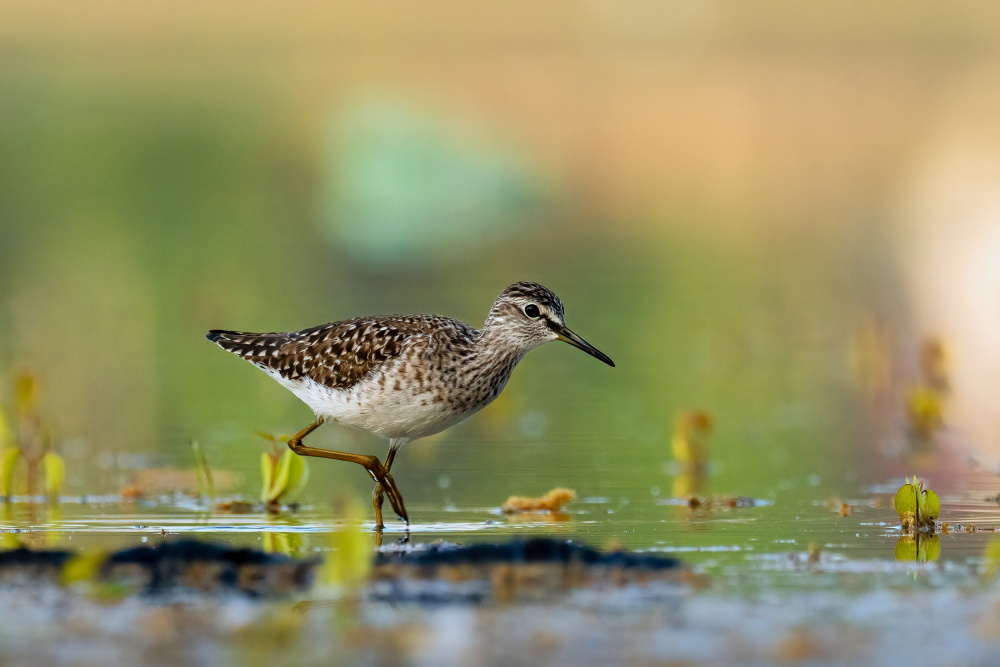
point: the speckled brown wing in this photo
(336, 355)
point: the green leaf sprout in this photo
(917, 507)
(284, 474)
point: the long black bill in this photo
(574, 340)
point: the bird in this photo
(404, 377)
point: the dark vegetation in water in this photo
(519, 569)
(541, 550)
(206, 566)
(542, 563)
(23, 563)
(185, 564)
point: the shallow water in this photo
(818, 543)
(780, 580)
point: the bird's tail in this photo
(254, 347)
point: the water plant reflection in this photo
(918, 547)
(289, 544)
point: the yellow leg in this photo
(378, 491)
(370, 463)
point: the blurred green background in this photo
(757, 210)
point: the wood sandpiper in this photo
(404, 377)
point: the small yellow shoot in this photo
(926, 407)
(267, 465)
(10, 458)
(6, 432)
(31, 441)
(691, 430)
(25, 393)
(55, 473)
(284, 477)
(203, 472)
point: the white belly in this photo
(395, 414)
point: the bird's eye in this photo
(531, 310)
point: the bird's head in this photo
(528, 314)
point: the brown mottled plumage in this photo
(405, 376)
(335, 355)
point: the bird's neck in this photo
(501, 342)
(489, 362)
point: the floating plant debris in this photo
(722, 502)
(552, 501)
(236, 507)
(131, 493)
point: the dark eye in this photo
(531, 310)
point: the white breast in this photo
(397, 414)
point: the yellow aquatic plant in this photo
(30, 441)
(6, 434)
(690, 449)
(691, 430)
(926, 402)
(283, 472)
(917, 507)
(203, 472)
